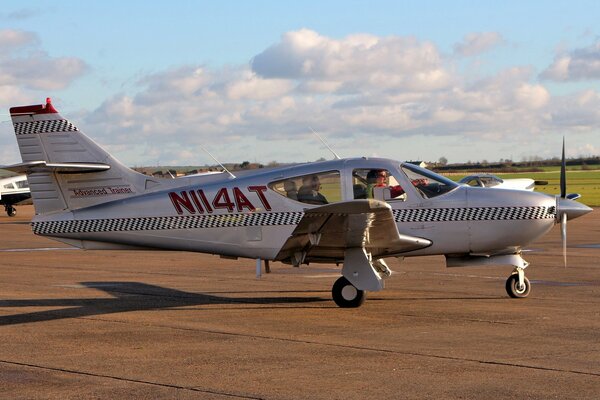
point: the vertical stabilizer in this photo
(44, 135)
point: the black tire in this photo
(11, 211)
(346, 295)
(512, 287)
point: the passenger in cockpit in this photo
(309, 191)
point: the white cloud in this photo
(579, 64)
(11, 39)
(355, 62)
(370, 94)
(26, 70)
(478, 42)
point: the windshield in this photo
(427, 183)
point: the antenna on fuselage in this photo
(217, 161)
(325, 143)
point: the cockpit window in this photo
(319, 188)
(427, 183)
(22, 184)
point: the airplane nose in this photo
(572, 208)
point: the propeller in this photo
(563, 195)
(566, 206)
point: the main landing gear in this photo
(10, 210)
(360, 274)
(346, 295)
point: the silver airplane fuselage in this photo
(244, 217)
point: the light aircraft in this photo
(492, 181)
(13, 190)
(354, 212)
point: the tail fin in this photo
(66, 169)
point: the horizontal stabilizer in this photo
(62, 168)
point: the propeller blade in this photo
(563, 173)
(563, 236)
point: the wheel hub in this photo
(349, 292)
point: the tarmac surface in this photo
(80, 324)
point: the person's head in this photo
(377, 176)
(316, 184)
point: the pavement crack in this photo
(130, 380)
(362, 348)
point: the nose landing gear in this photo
(515, 289)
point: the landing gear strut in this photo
(346, 295)
(10, 210)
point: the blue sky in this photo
(405, 80)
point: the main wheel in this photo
(346, 295)
(11, 211)
(513, 289)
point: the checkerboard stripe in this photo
(282, 218)
(55, 125)
(162, 223)
(473, 214)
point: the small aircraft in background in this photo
(13, 190)
(353, 211)
(492, 181)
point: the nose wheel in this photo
(346, 295)
(516, 289)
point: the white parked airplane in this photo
(492, 181)
(354, 212)
(13, 190)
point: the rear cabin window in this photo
(319, 188)
(9, 186)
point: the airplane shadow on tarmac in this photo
(130, 296)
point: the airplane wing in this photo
(324, 233)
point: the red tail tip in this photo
(49, 107)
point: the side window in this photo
(376, 183)
(319, 188)
(9, 186)
(22, 184)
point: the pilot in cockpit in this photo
(379, 178)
